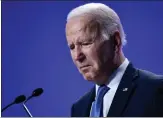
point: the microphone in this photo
(17, 100)
(35, 93)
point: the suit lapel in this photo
(126, 86)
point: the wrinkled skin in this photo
(94, 57)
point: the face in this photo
(92, 56)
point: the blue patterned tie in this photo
(97, 106)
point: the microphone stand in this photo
(27, 111)
(35, 93)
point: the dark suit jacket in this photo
(144, 97)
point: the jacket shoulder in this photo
(149, 79)
(85, 97)
(154, 84)
(83, 102)
(149, 76)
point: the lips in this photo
(84, 66)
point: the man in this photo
(95, 37)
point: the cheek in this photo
(93, 58)
(72, 57)
(105, 53)
(105, 56)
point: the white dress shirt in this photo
(113, 85)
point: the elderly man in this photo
(95, 37)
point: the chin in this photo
(89, 76)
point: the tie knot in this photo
(102, 90)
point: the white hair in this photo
(104, 15)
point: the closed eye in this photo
(86, 43)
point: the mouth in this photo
(83, 67)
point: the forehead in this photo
(81, 27)
(76, 24)
(75, 28)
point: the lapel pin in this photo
(125, 89)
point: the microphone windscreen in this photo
(37, 92)
(20, 99)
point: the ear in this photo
(117, 41)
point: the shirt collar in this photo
(116, 76)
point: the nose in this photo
(79, 55)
